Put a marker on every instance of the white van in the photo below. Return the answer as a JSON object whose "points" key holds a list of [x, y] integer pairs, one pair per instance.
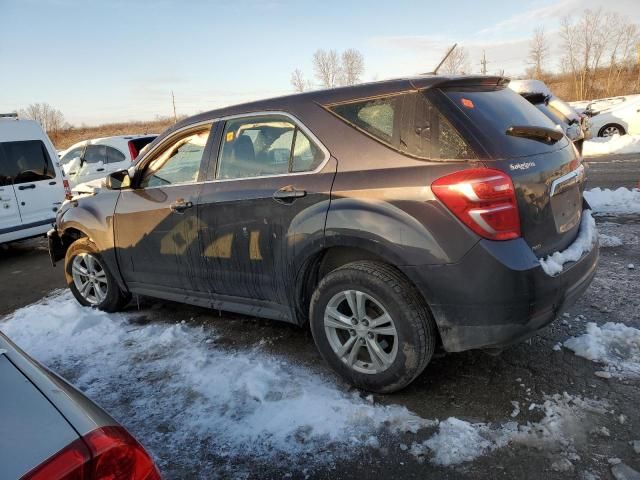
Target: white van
{"points": [[32, 185]]}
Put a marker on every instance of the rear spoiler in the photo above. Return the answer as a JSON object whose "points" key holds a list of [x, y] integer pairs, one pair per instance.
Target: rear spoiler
{"points": [[460, 82]]}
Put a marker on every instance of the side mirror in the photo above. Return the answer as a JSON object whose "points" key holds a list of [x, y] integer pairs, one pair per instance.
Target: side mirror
{"points": [[118, 180]]}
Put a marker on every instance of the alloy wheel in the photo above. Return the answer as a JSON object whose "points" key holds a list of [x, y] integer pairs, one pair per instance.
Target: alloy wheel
{"points": [[610, 131], [89, 278], [361, 332]]}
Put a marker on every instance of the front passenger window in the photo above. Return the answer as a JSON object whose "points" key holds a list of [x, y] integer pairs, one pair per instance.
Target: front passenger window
{"points": [[178, 163]]}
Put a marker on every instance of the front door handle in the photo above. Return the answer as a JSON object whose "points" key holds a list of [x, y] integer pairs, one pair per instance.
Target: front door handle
{"points": [[179, 206], [99, 169], [26, 187], [288, 194]]}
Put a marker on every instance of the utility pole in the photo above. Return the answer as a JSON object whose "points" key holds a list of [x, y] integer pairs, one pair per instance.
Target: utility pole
{"points": [[173, 100], [483, 62]]}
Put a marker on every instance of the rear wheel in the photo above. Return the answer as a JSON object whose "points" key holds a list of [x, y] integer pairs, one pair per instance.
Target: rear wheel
{"points": [[611, 129], [372, 326], [89, 278]]}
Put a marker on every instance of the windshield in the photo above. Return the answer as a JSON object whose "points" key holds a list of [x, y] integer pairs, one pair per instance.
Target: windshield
{"points": [[492, 112]]}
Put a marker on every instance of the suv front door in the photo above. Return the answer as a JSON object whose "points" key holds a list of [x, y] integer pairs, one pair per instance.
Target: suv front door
{"points": [[266, 198], [156, 227]]}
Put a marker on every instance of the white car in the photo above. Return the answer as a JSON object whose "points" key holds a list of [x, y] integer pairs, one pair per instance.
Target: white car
{"points": [[613, 116], [32, 185], [93, 159]]}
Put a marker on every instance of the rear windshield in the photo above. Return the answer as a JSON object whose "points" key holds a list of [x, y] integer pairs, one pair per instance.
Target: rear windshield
{"points": [[24, 162], [490, 112]]}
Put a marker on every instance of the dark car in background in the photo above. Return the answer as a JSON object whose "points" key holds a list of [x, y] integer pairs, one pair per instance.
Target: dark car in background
{"points": [[392, 216], [575, 125], [51, 431]]}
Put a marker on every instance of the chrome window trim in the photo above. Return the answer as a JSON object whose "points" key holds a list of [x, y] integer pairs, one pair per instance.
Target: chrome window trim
{"points": [[296, 121]]}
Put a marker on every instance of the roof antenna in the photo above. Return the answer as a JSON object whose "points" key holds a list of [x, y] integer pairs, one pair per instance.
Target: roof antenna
{"points": [[435, 71]]}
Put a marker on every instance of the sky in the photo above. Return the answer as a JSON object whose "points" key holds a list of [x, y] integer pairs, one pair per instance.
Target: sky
{"points": [[118, 60]]}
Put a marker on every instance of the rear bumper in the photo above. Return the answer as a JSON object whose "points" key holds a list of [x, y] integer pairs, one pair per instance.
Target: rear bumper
{"points": [[498, 294]]}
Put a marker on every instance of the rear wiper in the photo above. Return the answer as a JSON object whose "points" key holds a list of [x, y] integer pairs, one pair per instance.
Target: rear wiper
{"points": [[541, 134]]}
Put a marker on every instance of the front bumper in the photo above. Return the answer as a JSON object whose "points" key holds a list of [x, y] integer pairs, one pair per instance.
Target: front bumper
{"points": [[498, 294], [56, 247]]}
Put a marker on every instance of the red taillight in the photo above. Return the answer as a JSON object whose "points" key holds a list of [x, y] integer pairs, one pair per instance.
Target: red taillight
{"points": [[108, 453], [67, 189], [133, 151], [483, 199]]}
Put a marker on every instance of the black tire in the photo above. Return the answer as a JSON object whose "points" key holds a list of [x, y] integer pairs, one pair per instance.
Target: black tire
{"points": [[115, 298], [620, 128], [416, 330]]}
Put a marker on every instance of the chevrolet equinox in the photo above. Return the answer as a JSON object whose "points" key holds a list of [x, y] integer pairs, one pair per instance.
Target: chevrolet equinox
{"points": [[392, 217]]}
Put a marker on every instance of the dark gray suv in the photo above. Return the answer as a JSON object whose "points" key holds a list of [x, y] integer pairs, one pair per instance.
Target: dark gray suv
{"points": [[391, 216]]}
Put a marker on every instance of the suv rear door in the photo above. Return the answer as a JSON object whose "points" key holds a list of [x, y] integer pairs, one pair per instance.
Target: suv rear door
{"points": [[267, 197], [522, 142], [38, 188]]}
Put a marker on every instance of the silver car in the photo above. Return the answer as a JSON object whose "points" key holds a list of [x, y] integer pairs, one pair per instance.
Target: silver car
{"points": [[49, 430]]}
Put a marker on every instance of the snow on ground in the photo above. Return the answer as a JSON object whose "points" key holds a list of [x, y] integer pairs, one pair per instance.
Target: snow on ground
{"points": [[195, 403], [566, 422], [615, 202], [584, 242], [615, 345], [609, 240], [169, 386], [616, 144]]}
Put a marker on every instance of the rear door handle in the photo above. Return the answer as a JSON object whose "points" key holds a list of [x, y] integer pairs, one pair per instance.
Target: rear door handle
{"points": [[288, 194], [179, 206], [99, 169], [26, 187]]}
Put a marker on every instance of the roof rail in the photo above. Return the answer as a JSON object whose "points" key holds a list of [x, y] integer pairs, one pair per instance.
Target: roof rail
{"points": [[9, 115]]}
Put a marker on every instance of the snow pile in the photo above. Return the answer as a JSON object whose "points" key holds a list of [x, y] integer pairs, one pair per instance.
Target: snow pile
{"points": [[529, 86], [620, 201], [189, 399], [617, 144], [609, 240], [615, 345], [584, 242], [566, 422]]}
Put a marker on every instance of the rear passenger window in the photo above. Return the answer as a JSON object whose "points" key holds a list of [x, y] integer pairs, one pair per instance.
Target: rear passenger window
{"points": [[409, 123], [114, 155], [95, 154], [24, 162], [263, 146]]}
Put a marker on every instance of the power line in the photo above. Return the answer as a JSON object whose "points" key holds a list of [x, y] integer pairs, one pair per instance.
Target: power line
{"points": [[484, 62]]}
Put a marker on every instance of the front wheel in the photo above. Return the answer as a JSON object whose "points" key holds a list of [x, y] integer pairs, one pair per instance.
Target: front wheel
{"points": [[89, 278], [372, 327]]}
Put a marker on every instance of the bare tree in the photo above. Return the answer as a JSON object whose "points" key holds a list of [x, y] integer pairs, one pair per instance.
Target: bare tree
{"points": [[51, 119], [624, 37], [297, 80], [589, 42], [327, 67], [538, 52], [457, 62], [352, 66]]}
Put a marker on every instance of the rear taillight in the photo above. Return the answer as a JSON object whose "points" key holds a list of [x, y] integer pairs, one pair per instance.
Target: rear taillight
{"points": [[67, 189], [106, 453], [483, 199], [133, 151]]}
